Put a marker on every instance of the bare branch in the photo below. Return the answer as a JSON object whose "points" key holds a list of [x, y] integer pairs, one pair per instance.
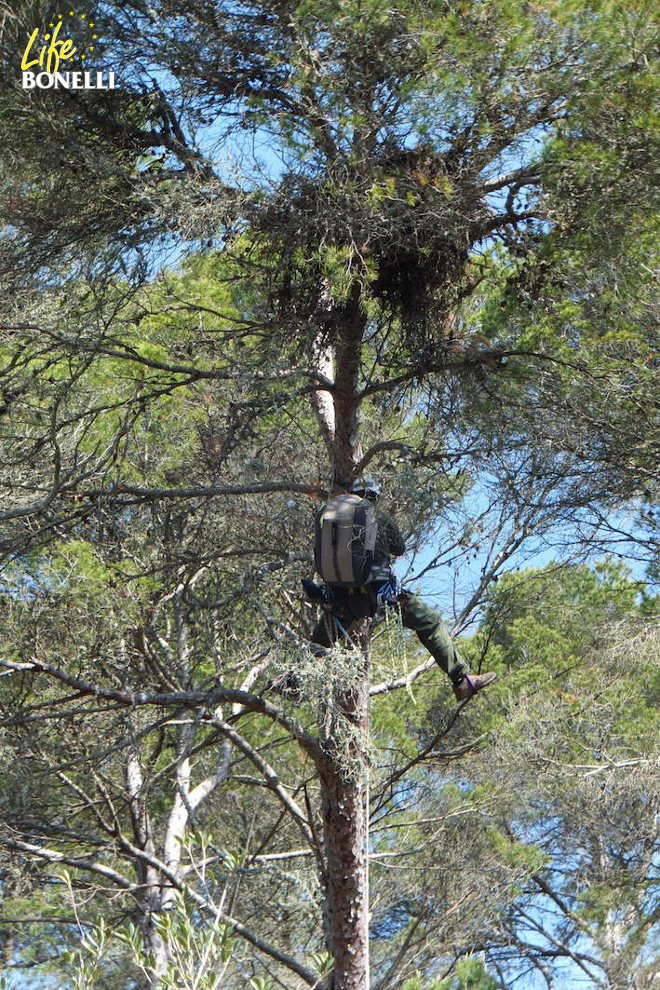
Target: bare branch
{"points": [[204, 700]]}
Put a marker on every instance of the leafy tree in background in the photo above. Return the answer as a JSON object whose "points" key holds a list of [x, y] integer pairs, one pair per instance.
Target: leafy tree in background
{"points": [[591, 801], [418, 241]]}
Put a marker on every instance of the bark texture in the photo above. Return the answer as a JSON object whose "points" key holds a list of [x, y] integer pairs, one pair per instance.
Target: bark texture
{"points": [[347, 449], [347, 909], [344, 777], [345, 805]]}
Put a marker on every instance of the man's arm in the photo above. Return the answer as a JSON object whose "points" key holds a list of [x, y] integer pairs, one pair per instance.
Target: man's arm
{"points": [[391, 535]]}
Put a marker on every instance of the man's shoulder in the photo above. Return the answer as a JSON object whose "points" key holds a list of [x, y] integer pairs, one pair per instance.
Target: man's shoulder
{"points": [[391, 532]]}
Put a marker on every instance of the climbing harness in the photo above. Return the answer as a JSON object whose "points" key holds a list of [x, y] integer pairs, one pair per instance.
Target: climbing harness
{"points": [[383, 596]]}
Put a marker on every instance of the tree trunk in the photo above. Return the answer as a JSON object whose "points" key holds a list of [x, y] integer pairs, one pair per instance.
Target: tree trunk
{"points": [[322, 361], [347, 450], [345, 804], [344, 778], [147, 895], [346, 906]]}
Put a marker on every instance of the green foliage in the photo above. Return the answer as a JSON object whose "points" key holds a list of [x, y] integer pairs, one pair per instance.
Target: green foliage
{"points": [[525, 856], [198, 954], [470, 974], [260, 983]]}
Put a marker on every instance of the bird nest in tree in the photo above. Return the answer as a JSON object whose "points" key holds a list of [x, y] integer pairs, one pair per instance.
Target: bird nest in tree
{"points": [[399, 224]]}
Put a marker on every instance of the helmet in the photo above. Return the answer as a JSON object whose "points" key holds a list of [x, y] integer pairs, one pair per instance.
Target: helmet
{"points": [[367, 488]]}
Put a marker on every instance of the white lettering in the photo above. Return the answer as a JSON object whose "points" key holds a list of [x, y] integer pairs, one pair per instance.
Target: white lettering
{"points": [[68, 80]]}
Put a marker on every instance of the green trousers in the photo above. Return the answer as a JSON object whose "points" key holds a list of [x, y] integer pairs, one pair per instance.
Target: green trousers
{"points": [[426, 622]]}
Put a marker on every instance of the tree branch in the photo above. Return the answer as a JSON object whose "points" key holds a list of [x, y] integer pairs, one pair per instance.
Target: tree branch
{"points": [[205, 700]]}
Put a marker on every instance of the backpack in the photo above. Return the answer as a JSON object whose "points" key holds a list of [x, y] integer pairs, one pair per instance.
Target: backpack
{"points": [[345, 540]]}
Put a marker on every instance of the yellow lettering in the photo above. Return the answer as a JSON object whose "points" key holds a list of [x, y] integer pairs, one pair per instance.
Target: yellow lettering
{"points": [[25, 64], [52, 49], [56, 50]]}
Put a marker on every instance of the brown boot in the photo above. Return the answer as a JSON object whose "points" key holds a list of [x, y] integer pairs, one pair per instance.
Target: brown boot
{"points": [[469, 684]]}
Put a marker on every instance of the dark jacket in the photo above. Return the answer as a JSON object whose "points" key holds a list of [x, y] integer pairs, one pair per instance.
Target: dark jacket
{"points": [[389, 541]]}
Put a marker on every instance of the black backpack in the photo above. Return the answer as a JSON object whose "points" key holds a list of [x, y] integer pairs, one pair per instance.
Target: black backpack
{"points": [[345, 540]]}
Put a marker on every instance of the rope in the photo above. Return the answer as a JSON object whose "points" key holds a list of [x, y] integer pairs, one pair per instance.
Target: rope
{"points": [[395, 638]]}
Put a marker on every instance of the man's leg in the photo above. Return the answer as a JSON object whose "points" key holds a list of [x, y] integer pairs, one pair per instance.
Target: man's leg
{"points": [[432, 633], [324, 632], [348, 606]]}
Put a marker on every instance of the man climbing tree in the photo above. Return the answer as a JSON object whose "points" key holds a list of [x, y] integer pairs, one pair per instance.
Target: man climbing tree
{"points": [[356, 566]]}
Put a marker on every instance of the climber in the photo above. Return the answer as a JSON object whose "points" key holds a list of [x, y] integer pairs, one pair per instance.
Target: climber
{"points": [[359, 581]]}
